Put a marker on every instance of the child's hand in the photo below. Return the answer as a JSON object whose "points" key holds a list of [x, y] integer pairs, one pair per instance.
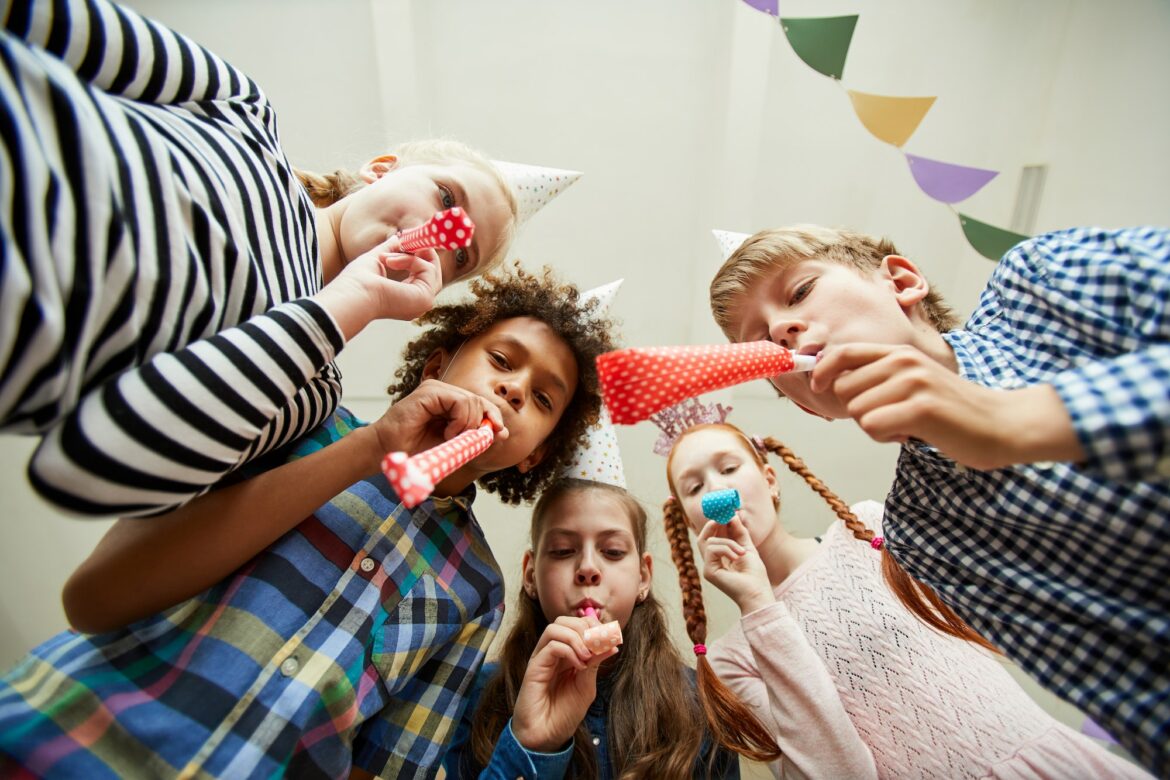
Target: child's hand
{"points": [[382, 284], [434, 412], [898, 392], [732, 564], [559, 685]]}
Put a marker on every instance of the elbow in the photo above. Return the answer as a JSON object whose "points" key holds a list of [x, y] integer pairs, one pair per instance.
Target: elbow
{"points": [[83, 605]]}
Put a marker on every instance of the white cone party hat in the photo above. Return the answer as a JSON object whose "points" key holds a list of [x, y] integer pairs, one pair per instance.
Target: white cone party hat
{"points": [[729, 242], [599, 460], [534, 185]]}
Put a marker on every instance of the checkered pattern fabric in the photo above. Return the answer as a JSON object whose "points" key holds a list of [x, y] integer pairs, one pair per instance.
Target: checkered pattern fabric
{"points": [[357, 635], [1065, 567]]}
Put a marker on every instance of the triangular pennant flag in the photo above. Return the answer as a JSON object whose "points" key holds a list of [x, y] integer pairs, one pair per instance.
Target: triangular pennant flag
{"points": [[770, 7], [534, 185], [988, 240], [948, 182], [729, 242], [890, 119], [821, 42]]}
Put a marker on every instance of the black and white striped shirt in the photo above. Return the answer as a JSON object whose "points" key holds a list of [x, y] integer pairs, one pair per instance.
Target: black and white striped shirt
{"points": [[156, 250]]}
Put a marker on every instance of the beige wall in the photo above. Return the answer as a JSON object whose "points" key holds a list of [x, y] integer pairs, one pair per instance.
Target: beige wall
{"points": [[685, 116]]}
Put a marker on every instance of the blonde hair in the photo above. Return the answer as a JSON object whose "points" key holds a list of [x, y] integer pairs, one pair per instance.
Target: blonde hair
{"points": [[325, 189], [917, 597], [777, 248]]}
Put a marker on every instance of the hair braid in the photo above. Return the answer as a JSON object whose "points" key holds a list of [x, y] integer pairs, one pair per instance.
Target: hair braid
{"points": [[916, 596], [325, 189], [731, 722]]}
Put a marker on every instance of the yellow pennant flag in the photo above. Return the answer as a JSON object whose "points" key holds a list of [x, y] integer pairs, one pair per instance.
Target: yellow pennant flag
{"points": [[890, 119]]}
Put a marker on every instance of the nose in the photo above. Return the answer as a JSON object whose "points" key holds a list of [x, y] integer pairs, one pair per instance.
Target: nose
{"points": [[785, 330], [587, 571], [512, 393]]}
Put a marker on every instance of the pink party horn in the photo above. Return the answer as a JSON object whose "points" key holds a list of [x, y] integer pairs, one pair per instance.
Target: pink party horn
{"points": [[640, 381], [450, 229], [603, 637], [414, 477]]}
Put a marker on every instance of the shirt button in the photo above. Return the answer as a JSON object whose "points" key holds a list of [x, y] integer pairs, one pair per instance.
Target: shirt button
{"points": [[289, 667], [596, 741], [368, 564]]}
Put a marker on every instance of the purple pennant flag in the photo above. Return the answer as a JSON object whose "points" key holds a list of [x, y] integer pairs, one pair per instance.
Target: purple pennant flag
{"points": [[947, 182], [770, 7]]}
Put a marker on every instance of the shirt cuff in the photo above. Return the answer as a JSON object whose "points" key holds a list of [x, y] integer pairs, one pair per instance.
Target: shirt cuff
{"points": [[520, 762]]}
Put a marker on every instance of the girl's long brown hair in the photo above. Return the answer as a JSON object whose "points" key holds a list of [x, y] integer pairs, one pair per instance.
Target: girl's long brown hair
{"points": [[655, 728], [917, 597]]}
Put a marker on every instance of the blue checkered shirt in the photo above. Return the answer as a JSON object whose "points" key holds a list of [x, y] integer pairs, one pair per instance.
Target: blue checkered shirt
{"points": [[1064, 567]]}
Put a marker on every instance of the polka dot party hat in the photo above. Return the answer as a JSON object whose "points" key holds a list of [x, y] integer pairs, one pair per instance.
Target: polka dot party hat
{"points": [[729, 242], [639, 381], [599, 459], [534, 185]]}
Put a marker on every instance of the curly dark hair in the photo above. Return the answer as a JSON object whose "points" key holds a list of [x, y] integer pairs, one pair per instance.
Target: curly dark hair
{"points": [[502, 295]]}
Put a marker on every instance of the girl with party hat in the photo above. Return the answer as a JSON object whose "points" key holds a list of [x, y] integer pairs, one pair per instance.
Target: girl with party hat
{"points": [[174, 300], [589, 683], [848, 680]]}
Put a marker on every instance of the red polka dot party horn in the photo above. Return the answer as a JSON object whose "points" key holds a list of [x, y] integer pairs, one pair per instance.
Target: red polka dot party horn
{"points": [[640, 381], [414, 477], [450, 229]]}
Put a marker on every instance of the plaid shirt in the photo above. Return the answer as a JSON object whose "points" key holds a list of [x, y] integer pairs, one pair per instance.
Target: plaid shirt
{"points": [[357, 635], [1065, 567]]}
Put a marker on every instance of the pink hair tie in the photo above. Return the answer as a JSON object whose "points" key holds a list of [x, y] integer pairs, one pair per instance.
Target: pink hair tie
{"points": [[758, 443], [877, 542], [700, 649]]}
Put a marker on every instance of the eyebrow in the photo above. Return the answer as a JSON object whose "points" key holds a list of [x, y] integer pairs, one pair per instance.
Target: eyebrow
{"points": [[516, 344], [461, 196], [602, 536]]}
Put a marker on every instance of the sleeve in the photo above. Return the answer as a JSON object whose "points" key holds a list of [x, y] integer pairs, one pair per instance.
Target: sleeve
{"points": [[511, 761], [122, 53], [768, 662], [410, 736], [164, 432], [1102, 296]]}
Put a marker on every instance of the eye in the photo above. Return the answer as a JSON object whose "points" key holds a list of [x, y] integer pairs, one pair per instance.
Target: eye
{"points": [[729, 469], [544, 401], [446, 197], [802, 291], [693, 489], [499, 360], [561, 552], [461, 257], [614, 554]]}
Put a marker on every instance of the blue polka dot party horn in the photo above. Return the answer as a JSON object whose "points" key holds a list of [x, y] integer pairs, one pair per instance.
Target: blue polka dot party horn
{"points": [[721, 505]]}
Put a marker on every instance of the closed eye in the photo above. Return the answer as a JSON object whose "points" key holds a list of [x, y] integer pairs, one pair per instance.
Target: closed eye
{"points": [[802, 291], [500, 360], [544, 401]]}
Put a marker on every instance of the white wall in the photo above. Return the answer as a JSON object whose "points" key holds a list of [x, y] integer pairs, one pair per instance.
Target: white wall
{"points": [[685, 116]]}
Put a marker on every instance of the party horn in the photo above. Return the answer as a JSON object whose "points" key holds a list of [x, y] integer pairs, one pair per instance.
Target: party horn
{"points": [[721, 505], [414, 477], [450, 229], [640, 381]]}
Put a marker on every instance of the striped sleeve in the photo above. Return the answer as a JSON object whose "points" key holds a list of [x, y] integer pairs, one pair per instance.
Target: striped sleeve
{"points": [[156, 436], [122, 53]]}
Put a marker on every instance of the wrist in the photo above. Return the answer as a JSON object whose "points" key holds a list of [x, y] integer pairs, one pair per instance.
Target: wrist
{"points": [[348, 305], [536, 743], [751, 602], [1040, 428]]}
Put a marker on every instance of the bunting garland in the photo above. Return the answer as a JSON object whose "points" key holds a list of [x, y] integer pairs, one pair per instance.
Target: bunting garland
{"points": [[823, 43]]}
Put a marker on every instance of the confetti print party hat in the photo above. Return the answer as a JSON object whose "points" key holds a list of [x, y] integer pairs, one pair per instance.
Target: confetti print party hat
{"points": [[729, 242], [599, 459], [534, 186]]}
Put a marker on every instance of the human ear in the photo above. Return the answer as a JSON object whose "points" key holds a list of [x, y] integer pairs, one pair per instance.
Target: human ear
{"points": [[534, 458], [646, 576], [528, 578], [437, 364], [910, 286], [378, 167]]}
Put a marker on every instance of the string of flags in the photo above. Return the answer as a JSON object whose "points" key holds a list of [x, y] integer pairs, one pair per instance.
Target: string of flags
{"points": [[822, 43]]}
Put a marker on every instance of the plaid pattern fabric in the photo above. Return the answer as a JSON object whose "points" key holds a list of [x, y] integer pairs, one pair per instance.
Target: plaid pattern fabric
{"points": [[357, 634], [1066, 568]]}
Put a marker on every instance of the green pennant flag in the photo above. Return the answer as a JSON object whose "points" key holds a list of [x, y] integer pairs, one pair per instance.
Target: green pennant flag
{"points": [[822, 42], [988, 240]]}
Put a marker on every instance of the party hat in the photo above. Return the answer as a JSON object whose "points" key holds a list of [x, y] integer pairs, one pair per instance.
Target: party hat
{"points": [[639, 381], [534, 185], [729, 242], [599, 459]]}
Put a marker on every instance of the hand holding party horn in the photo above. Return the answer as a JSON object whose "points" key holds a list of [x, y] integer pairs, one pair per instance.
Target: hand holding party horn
{"points": [[414, 477], [640, 381], [450, 229]]}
